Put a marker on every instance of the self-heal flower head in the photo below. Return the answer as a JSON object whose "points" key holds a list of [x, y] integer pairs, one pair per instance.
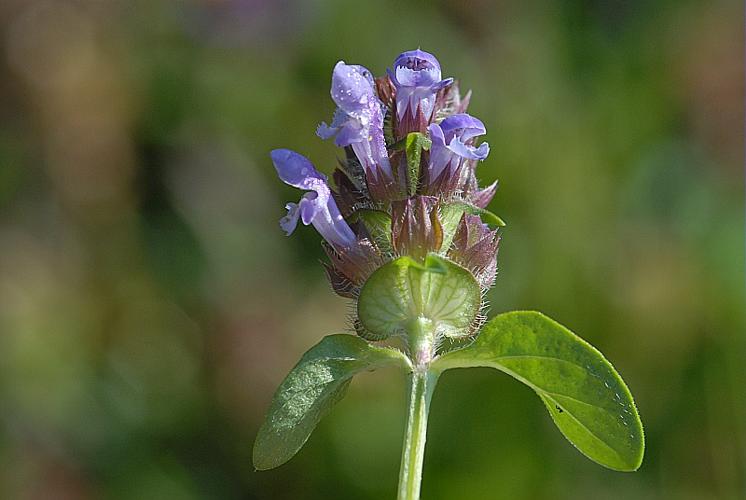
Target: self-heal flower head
{"points": [[398, 193], [453, 149], [316, 207], [417, 78], [358, 123]]}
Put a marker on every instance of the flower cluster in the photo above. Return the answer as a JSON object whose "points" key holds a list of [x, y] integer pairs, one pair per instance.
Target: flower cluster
{"points": [[407, 183]]}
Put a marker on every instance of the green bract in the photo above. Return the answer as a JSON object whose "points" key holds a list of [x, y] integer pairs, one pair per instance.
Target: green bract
{"points": [[404, 291], [461, 207], [585, 396], [452, 213], [415, 143], [378, 224]]}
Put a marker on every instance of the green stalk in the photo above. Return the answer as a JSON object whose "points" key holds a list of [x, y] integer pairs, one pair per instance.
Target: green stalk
{"points": [[421, 383], [421, 386]]}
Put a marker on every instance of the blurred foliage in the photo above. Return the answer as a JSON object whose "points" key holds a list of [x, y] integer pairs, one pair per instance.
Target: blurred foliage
{"points": [[149, 304]]}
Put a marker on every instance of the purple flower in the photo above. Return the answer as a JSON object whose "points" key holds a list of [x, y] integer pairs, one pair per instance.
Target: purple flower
{"points": [[453, 146], [416, 76], [358, 122], [316, 207]]}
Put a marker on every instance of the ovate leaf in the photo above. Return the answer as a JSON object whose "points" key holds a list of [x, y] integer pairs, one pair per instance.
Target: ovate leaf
{"points": [[318, 381], [585, 396]]}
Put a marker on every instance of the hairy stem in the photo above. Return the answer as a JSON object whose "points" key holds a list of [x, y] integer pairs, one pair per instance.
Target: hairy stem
{"points": [[421, 384]]}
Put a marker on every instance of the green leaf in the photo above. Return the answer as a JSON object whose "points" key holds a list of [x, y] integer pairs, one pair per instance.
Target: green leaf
{"points": [[311, 389], [585, 396], [450, 216], [415, 143], [404, 290], [488, 217]]}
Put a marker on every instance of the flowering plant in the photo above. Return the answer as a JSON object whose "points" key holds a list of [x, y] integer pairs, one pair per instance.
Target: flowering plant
{"points": [[411, 242]]}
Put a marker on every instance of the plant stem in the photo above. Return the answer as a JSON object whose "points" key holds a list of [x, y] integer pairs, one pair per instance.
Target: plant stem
{"points": [[421, 384]]}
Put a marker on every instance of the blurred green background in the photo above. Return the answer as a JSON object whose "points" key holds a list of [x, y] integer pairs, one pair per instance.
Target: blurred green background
{"points": [[150, 304]]}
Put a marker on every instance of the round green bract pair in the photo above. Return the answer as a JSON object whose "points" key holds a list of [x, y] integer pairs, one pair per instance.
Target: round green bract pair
{"points": [[404, 291]]}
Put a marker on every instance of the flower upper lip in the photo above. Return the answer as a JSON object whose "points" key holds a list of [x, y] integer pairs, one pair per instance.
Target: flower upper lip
{"points": [[352, 87], [457, 133], [464, 126], [417, 59]]}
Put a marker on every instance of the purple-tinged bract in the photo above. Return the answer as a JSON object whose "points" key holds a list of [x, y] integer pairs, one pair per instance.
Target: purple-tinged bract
{"points": [[415, 227], [475, 247]]}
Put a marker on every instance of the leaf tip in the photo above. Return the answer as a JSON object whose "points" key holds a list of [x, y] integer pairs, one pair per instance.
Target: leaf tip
{"points": [[259, 459]]}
